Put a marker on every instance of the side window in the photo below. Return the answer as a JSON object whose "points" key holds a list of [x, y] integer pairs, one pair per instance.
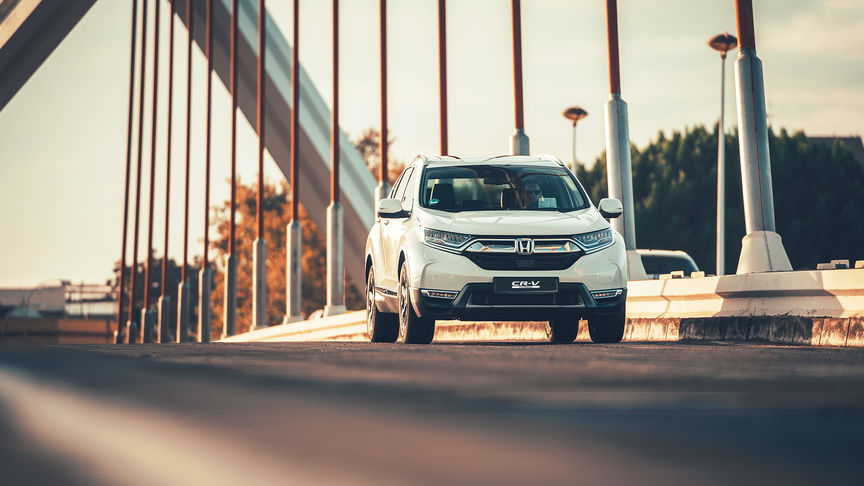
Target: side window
{"points": [[397, 184], [406, 192]]}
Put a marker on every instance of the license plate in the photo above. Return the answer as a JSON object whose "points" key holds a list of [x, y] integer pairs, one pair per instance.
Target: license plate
{"points": [[509, 285]]}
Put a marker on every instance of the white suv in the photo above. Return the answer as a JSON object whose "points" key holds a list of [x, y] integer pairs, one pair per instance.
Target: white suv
{"points": [[493, 238]]}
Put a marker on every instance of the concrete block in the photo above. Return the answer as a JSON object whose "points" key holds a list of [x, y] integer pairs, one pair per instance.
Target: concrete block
{"points": [[789, 329], [665, 276], [816, 331], [834, 331], [628, 329], [841, 263], [657, 329], [673, 326], [640, 329], [762, 251], [583, 335], [760, 328], [859, 264], [699, 274], [690, 330], [825, 266], [856, 332], [734, 328], [677, 274], [711, 329]]}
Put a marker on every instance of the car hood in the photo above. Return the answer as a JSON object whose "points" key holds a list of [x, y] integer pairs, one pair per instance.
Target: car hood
{"points": [[522, 222]]}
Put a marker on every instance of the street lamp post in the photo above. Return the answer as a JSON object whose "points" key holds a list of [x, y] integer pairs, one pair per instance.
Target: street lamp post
{"points": [[723, 43], [574, 114]]}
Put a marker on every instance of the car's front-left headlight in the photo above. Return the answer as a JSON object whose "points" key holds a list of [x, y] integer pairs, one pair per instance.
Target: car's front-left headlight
{"points": [[595, 240], [444, 240]]}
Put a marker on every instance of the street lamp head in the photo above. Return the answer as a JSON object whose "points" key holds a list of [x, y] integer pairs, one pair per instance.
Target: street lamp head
{"points": [[723, 42], [575, 113]]}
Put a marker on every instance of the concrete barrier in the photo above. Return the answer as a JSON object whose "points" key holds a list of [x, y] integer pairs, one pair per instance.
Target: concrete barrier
{"points": [[828, 293], [820, 308], [56, 330]]}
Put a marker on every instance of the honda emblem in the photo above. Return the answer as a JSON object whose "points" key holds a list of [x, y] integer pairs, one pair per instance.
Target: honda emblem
{"points": [[524, 246]]}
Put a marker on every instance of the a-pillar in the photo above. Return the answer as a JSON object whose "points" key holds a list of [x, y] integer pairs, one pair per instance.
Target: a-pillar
{"points": [[335, 285], [229, 314], [259, 285], [183, 308], [293, 267], [761, 248], [204, 286]]}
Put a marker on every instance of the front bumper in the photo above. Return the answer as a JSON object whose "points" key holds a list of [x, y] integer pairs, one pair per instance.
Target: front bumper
{"points": [[431, 268], [479, 302]]}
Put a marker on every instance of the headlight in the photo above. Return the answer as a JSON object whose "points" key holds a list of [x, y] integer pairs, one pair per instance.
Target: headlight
{"points": [[444, 239], [595, 240]]}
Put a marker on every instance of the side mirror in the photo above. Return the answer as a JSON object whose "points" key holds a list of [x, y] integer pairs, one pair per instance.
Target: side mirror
{"points": [[610, 208], [391, 208]]}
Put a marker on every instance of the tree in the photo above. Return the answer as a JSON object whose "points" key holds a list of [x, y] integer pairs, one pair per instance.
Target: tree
{"points": [[368, 146], [675, 194], [173, 279], [277, 215]]}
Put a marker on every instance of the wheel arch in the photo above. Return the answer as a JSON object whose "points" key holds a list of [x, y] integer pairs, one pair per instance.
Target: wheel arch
{"points": [[400, 261]]}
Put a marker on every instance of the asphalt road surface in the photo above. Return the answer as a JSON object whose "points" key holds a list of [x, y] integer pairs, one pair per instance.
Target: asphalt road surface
{"points": [[474, 413]]}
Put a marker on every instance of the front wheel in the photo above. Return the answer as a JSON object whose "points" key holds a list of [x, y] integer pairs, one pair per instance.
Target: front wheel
{"points": [[562, 330], [380, 327], [412, 328], [608, 329]]}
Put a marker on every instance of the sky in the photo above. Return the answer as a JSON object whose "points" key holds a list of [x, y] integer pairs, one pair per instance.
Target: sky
{"points": [[63, 136]]}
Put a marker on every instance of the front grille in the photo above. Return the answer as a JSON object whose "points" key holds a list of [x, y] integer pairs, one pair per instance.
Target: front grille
{"points": [[563, 297], [523, 262]]}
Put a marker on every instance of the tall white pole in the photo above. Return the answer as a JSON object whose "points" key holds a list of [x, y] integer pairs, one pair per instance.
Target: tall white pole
{"points": [[721, 175], [761, 248], [618, 170]]}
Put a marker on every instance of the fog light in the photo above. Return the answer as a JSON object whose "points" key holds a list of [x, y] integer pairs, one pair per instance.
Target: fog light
{"points": [[605, 294], [439, 294]]}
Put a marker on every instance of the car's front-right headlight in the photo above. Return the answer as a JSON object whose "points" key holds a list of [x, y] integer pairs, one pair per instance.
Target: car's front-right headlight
{"points": [[595, 240], [445, 240]]}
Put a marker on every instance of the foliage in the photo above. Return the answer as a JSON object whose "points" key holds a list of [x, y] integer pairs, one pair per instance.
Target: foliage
{"points": [[368, 146], [277, 216], [816, 192], [173, 279]]}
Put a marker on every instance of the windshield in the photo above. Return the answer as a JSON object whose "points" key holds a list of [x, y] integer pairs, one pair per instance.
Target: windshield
{"points": [[501, 187]]}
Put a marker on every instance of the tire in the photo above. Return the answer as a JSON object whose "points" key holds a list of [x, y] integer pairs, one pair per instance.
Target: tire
{"points": [[380, 327], [608, 329], [413, 329], [562, 330]]}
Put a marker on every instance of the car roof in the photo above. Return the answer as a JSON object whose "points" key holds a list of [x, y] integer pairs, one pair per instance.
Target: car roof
{"points": [[543, 159]]}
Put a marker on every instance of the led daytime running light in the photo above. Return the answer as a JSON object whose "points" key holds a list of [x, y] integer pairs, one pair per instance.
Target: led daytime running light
{"points": [[595, 240], [444, 238]]}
